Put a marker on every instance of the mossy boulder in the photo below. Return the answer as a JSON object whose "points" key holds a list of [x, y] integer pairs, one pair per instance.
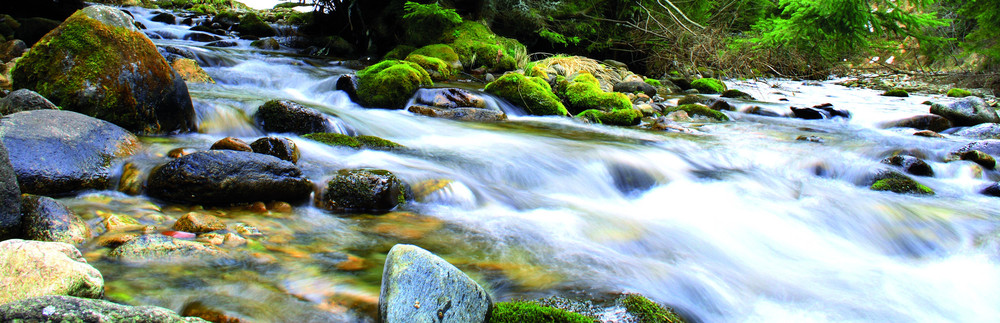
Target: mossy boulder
{"points": [[376, 143], [437, 68], [220, 177], [46, 219], [342, 140], [442, 52], [698, 109], [36, 268], [958, 93], [708, 85], [477, 46], [389, 84], [99, 64], [75, 309], [533, 94], [648, 311], [618, 117], [531, 312], [736, 94], [190, 71], [899, 183], [252, 25], [584, 93], [899, 93], [978, 157], [266, 43], [363, 190], [910, 164]]}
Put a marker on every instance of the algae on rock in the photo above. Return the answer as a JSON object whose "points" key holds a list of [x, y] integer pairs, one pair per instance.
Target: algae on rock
{"points": [[390, 83], [531, 93]]}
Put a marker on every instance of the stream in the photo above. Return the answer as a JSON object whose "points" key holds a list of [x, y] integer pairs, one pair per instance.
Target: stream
{"points": [[741, 222]]}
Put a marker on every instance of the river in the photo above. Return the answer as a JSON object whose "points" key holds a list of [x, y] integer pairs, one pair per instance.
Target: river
{"points": [[742, 223]]}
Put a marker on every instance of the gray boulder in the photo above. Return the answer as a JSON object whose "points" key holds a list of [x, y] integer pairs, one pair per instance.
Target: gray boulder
{"points": [[989, 146], [158, 247], [46, 219], [10, 197], [45, 268], [75, 309], [930, 122], [461, 114], [24, 100], [60, 152], [981, 131], [418, 286], [220, 177], [363, 190], [969, 111], [635, 86]]}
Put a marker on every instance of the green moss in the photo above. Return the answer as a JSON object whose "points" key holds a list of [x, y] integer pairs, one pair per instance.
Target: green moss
{"points": [[399, 52], [653, 82], [708, 85], [534, 70], [390, 83], [334, 139], [424, 23], [648, 311], [959, 93], [698, 109], [251, 24], [901, 185], [438, 69], [442, 52], [619, 117], [376, 143], [896, 93], [477, 46], [528, 312], [585, 93], [524, 92]]}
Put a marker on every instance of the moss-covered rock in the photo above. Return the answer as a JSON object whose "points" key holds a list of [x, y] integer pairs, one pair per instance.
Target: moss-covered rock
{"points": [[334, 139], [584, 93], [698, 109], [899, 93], [958, 93], [35, 268], [108, 71], [363, 190], [437, 68], [399, 52], [618, 117], [477, 46], [376, 143], [442, 52], [251, 24], [648, 311], [901, 185], [389, 84], [533, 94], [736, 94], [190, 71], [708, 85], [530, 312], [266, 43]]}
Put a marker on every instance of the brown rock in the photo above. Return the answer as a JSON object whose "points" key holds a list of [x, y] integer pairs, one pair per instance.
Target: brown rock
{"points": [[190, 71], [231, 143], [282, 148], [198, 222]]}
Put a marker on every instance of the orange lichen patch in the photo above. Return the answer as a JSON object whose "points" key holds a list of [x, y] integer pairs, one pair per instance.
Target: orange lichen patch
{"points": [[190, 71]]}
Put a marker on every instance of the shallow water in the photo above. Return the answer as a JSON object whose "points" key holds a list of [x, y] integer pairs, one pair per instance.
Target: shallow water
{"points": [[742, 223]]}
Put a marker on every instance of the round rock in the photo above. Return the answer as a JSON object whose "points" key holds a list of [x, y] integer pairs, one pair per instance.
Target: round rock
{"points": [[46, 219], [24, 100], [363, 190], [282, 148], [968, 111], [290, 117], [227, 177], [418, 286], [36, 268]]}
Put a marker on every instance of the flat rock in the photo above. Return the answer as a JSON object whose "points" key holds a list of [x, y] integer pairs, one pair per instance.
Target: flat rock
{"points": [[449, 98], [930, 122], [461, 114], [968, 111], [36, 268], [981, 131], [75, 309], [158, 247], [218, 177], [418, 286]]}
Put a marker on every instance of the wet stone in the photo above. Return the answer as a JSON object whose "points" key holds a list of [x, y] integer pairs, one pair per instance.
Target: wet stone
{"points": [[910, 164], [231, 143], [282, 148], [198, 222]]}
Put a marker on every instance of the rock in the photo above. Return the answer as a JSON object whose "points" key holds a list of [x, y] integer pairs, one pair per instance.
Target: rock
{"points": [[695, 99], [205, 37], [708, 85], [158, 247], [60, 152], [75, 309], [45, 219], [164, 17], [900, 93], [461, 114], [989, 146], [981, 131], [645, 310], [349, 84], [190, 71], [252, 25], [12, 49], [822, 111], [98, 63], [814, 139], [477, 46], [980, 158], [440, 51], [363, 190], [438, 69], [958, 93], [289, 117], [521, 311], [390, 84], [618, 117], [10, 198], [910, 164], [35, 268], [231, 143], [222, 44], [585, 93], [991, 190], [760, 111], [737, 94], [898, 183], [418, 286], [533, 94], [282, 148], [966, 112], [928, 134], [24, 100], [449, 98], [195, 222], [225, 177], [632, 87], [931, 122], [698, 109], [629, 179], [266, 43]]}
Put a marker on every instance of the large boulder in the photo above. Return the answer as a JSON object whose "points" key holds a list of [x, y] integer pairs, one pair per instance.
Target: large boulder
{"points": [[585, 93], [531, 93], [10, 197], [930, 122], [24, 100], [60, 152], [390, 84], [158, 247], [220, 177], [75, 309], [969, 111], [35, 268], [12, 49], [46, 219], [418, 286], [461, 114], [981, 131], [291, 117], [98, 63], [363, 190]]}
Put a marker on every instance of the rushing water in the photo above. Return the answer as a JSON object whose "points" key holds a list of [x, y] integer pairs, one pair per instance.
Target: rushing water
{"points": [[744, 223]]}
